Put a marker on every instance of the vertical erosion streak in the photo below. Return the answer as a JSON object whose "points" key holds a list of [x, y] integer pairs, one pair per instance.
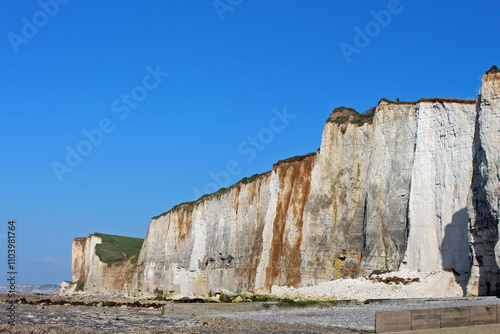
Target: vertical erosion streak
{"points": [[78, 259], [285, 258], [410, 198], [407, 234], [385, 242], [388, 187], [185, 222], [264, 235], [248, 274]]}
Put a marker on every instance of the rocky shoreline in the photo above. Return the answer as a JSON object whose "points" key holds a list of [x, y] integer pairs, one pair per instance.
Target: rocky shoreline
{"points": [[92, 314], [83, 300], [98, 314]]}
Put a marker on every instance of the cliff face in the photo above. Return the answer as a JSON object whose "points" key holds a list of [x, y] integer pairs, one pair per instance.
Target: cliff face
{"points": [[391, 194], [248, 238], [484, 197], [419, 177], [332, 239], [96, 276], [440, 181], [381, 194], [388, 186]]}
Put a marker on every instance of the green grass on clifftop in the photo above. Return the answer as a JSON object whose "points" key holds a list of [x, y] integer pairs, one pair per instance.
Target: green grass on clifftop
{"points": [[295, 158], [353, 116], [432, 100], [217, 194], [115, 248], [222, 191]]}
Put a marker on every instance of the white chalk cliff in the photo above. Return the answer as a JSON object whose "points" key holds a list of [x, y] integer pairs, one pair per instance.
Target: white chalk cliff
{"points": [[415, 188]]}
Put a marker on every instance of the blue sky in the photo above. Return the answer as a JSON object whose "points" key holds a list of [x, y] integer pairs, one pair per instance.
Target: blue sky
{"points": [[176, 94]]}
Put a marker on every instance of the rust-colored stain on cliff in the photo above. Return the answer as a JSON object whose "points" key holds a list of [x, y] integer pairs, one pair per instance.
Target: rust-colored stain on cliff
{"points": [[78, 262], [122, 274], [184, 222], [249, 271], [284, 257], [114, 278], [236, 201]]}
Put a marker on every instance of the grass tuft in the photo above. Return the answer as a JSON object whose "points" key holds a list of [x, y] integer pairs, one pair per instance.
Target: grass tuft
{"points": [[354, 117], [190, 205], [296, 158]]}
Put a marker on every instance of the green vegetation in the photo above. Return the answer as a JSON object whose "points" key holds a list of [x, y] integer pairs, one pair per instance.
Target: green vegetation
{"points": [[160, 294], [371, 111], [295, 158], [134, 258], [432, 99], [224, 298], [80, 285], [447, 100], [493, 68], [265, 298], [342, 109], [397, 280], [354, 117], [117, 249], [222, 191], [396, 102], [301, 303], [190, 205], [351, 116], [281, 302], [185, 205]]}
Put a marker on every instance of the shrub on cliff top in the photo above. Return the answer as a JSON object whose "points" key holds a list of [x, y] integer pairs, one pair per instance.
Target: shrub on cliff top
{"points": [[354, 117], [397, 102], [341, 109], [493, 68], [115, 248], [370, 112]]}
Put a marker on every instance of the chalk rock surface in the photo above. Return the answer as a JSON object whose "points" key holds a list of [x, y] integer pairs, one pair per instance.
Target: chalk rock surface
{"points": [[484, 196]]}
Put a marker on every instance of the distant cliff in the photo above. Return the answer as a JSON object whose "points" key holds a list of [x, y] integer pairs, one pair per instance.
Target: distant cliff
{"points": [[415, 185]]}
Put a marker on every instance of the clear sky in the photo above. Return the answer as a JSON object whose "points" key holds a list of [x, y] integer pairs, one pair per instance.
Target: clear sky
{"points": [[111, 112]]}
